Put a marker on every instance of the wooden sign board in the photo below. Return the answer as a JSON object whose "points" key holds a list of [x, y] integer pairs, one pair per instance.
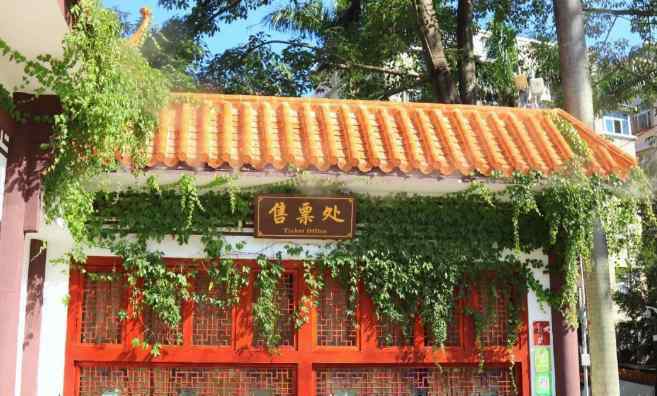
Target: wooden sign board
{"points": [[305, 217]]}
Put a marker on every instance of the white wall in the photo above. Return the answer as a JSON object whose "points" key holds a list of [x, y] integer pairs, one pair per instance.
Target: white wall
{"points": [[21, 317], [54, 314], [538, 311]]}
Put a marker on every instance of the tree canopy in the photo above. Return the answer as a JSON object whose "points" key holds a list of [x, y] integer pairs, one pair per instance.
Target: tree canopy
{"points": [[376, 49]]}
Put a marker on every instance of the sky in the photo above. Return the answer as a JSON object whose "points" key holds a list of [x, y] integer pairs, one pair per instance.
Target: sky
{"points": [[229, 36], [238, 32]]}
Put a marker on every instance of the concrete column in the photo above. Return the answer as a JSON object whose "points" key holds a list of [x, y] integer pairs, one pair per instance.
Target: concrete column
{"points": [[566, 351]]}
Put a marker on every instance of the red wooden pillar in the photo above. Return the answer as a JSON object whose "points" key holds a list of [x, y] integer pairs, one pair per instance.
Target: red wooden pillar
{"points": [[566, 346], [11, 256], [20, 214], [305, 340]]}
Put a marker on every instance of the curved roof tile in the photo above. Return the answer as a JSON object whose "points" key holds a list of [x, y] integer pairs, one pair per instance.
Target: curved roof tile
{"points": [[212, 130]]}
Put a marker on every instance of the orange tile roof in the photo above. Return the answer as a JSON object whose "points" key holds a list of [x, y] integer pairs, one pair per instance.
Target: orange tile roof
{"points": [[310, 133]]}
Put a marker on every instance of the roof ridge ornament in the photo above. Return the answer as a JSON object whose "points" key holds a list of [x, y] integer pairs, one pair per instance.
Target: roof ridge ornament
{"points": [[137, 38]]}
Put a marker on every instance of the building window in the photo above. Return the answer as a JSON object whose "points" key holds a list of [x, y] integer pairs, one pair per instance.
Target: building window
{"points": [[617, 125]]}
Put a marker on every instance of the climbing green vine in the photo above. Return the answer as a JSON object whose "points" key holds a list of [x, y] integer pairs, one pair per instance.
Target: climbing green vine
{"points": [[109, 97], [413, 255]]}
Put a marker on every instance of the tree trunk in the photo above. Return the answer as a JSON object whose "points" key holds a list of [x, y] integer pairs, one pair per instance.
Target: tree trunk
{"points": [[579, 102], [432, 43], [573, 59], [602, 318], [466, 60]]}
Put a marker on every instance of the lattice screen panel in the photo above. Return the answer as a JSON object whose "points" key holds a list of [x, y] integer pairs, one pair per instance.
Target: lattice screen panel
{"points": [[211, 325], [389, 333], [496, 333], [285, 301], [102, 301], [158, 331], [396, 381], [187, 381], [336, 327], [100, 381]]}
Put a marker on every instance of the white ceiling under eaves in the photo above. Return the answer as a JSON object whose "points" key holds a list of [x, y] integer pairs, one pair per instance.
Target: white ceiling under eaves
{"points": [[33, 27]]}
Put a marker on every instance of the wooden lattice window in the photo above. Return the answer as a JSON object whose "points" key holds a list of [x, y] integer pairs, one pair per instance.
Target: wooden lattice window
{"points": [[495, 334], [418, 381], [336, 326], [390, 334], [212, 325], [157, 331], [285, 297], [217, 351], [186, 381], [103, 301]]}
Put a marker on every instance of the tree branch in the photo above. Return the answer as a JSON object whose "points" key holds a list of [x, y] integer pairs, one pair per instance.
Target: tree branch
{"points": [[286, 42], [230, 6], [438, 68], [378, 69], [344, 63], [622, 12], [210, 19], [393, 91]]}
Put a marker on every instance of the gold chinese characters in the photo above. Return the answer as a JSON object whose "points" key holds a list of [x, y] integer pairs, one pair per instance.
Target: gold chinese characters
{"points": [[279, 214], [332, 213]]}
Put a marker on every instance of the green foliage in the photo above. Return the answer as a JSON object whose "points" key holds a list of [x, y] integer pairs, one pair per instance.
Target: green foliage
{"points": [[498, 75], [110, 97], [343, 39], [621, 60], [176, 51], [206, 17], [413, 255], [257, 69], [638, 290], [265, 310]]}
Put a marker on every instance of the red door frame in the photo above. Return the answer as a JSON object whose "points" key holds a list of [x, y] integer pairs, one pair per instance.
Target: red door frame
{"points": [[304, 355]]}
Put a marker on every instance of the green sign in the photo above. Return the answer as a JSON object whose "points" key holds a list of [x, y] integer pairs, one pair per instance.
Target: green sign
{"points": [[542, 371]]}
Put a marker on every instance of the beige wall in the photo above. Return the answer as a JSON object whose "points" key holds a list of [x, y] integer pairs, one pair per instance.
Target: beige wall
{"points": [[32, 27]]}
